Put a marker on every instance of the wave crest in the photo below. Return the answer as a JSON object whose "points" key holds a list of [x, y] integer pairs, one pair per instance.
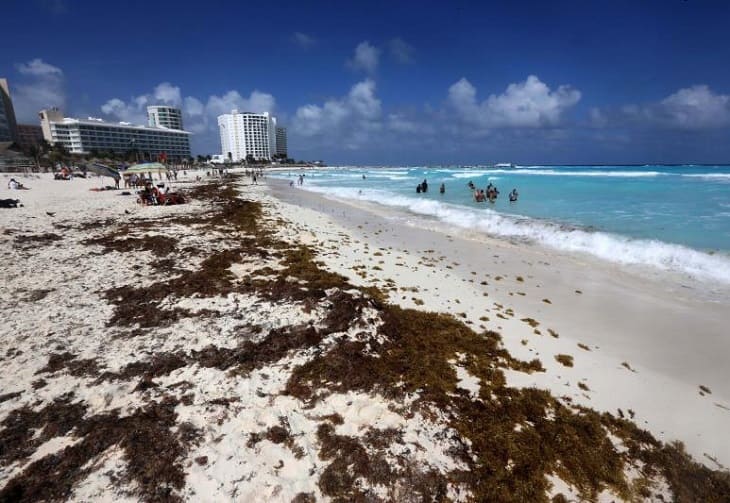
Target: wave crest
{"points": [[604, 245]]}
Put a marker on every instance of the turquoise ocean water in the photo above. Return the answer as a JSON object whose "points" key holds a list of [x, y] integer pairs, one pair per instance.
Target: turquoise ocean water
{"points": [[668, 217]]}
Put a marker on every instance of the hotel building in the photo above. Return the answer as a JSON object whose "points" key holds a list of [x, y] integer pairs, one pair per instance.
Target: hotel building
{"points": [[81, 136], [164, 116], [281, 149], [244, 134], [7, 114]]}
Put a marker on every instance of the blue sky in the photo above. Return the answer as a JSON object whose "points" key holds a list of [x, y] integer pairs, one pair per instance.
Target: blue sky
{"points": [[381, 82]]}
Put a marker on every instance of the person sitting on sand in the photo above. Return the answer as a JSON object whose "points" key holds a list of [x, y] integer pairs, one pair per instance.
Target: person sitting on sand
{"points": [[15, 185]]}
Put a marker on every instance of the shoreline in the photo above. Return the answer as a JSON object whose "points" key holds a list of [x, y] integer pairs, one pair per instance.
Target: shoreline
{"points": [[647, 244], [651, 324], [214, 348]]}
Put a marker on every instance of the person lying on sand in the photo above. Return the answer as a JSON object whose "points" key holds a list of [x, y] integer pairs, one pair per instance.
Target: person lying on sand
{"points": [[10, 203]]}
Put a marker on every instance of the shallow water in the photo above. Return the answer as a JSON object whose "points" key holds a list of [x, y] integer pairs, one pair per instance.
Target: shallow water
{"points": [[671, 217]]}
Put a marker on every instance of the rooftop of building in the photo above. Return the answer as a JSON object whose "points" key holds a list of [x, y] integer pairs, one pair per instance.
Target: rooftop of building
{"points": [[95, 121]]}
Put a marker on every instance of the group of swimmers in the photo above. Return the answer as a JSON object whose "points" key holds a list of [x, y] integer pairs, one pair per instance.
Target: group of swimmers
{"points": [[490, 193], [480, 195], [423, 187]]}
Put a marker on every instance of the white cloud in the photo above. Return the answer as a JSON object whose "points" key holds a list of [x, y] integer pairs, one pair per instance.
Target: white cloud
{"points": [[193, 106], [303, 40], [401, 123], [348, 121], [133, 111], [691, 108], [197, 115], [168, 94], [363, 100], [200, 116], [528, 104], [42, 87], [366, 58], [38, 68], [696, 107], [256, 102], [401, 51]]}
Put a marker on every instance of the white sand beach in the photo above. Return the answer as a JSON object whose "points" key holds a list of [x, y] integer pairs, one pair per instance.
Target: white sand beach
{"points": [[163, 353], [673, 338]]}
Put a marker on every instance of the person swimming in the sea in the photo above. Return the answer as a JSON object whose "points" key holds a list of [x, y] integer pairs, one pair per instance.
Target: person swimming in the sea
{"points": [[442, 189], [513, 196]]}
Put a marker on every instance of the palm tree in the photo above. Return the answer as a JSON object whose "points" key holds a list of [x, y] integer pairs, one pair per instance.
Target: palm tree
{"points": [[34, 152], [59, 153]]}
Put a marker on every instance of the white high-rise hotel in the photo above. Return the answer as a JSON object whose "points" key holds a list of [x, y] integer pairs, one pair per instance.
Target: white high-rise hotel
{"points": [[244, 134]]}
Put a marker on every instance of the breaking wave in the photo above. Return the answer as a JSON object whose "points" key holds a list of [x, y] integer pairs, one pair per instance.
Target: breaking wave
{"points": [[604, 245]]}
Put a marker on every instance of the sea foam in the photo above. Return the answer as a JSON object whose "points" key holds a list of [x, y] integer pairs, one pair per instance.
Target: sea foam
{"points": [[604, 245], [552, 172]]}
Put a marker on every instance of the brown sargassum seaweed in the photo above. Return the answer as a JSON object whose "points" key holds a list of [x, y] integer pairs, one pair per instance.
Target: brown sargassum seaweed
{"points": [[508, 440]]}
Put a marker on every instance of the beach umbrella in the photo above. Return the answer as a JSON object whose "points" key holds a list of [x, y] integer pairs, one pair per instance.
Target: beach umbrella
{"points": [[103, 170], [146, 167]]}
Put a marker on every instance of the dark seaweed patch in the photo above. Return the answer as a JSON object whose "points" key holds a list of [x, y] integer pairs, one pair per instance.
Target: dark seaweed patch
{"points": [[152, 449]]}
